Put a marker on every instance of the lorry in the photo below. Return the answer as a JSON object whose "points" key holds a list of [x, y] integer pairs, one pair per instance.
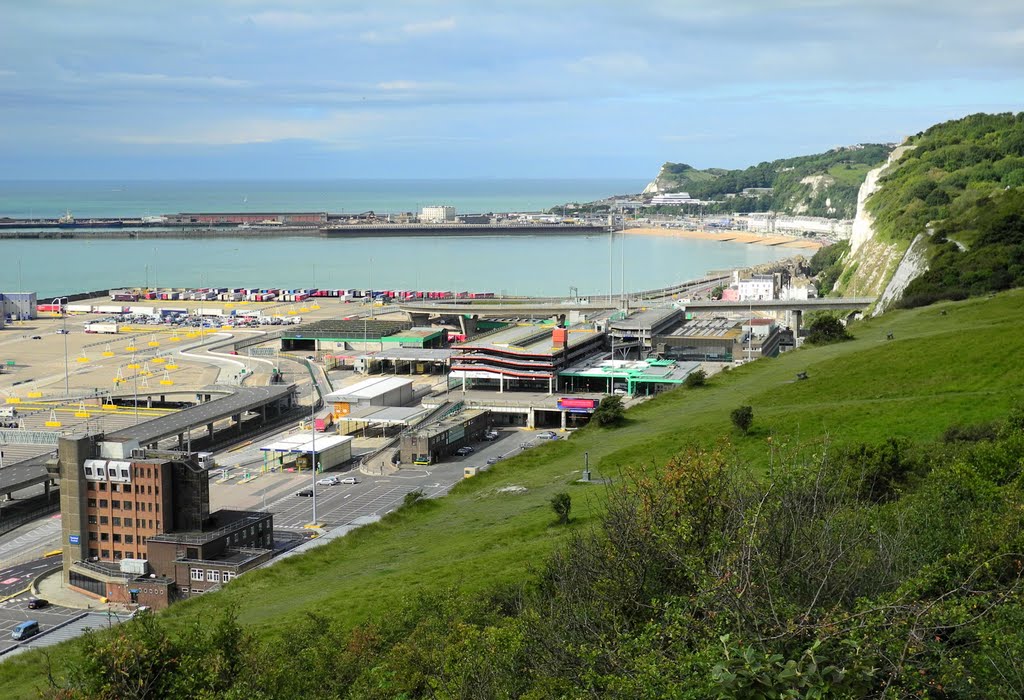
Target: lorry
{"points": [[323, 422], [102, 328]]}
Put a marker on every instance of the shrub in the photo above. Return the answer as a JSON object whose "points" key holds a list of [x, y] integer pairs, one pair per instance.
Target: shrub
{"points": [[609, 412], [743, 418], [561, 503], [696, 379]]}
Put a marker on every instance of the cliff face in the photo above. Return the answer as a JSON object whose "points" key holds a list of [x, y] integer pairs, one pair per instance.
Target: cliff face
{"points": [[877, 267]]}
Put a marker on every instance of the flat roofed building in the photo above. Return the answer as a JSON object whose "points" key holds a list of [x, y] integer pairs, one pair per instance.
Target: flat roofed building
{"points": [[437, 214], [376, 391], [702, 340], [524, 357], [434, 442]]}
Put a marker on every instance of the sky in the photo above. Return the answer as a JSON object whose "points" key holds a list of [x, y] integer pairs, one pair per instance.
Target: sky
{"points": [[311, 89]]}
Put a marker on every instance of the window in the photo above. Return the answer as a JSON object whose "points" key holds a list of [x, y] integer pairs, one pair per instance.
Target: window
{"points": [[100, 472], [105, 553], [128, 539], [92, 519], [114, 488], [115, 504], [93, 553], [149, 507], [157, 507], [117, 538], [149, 490], [148, 473], [103, 503], [92, 536], [213, 575], [103, 486], [197, 575], [104, 537], [124, 473], [117, 521], [92, 502], [127, 522], [88, 471], [117, 554], [127, 505], [157, 524], [228, 576], [103, 520], [156, 490], [91, 486], [150, 524]]}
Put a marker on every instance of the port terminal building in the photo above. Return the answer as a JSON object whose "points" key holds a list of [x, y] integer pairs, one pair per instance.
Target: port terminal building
{"points": [[524, 357]]}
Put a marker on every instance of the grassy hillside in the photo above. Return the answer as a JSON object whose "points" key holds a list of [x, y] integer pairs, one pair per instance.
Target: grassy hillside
{"points": [[824, 184], [937, 370]]}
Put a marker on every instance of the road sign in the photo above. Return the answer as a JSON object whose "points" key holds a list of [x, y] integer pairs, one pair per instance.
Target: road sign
{"points": [[73, 539]]}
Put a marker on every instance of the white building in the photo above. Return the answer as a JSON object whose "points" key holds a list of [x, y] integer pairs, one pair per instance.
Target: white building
{"points": [[756, 287], [673, 199], [437, 214]]}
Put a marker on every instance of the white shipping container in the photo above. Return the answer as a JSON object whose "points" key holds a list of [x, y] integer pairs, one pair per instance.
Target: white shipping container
{"points": [[139, 567], [101, 328], [211, 312], [79, 308], [109, 309], [143, 310]]}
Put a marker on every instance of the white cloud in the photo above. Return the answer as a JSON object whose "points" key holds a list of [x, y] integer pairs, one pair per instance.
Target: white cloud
{"points": [[410, 85], [429, 27], [336, 129], [164, 80], [617, 65], [409, 29]]}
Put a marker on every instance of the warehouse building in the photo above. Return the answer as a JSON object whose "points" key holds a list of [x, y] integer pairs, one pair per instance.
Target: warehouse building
{"points": [[376, 391]]}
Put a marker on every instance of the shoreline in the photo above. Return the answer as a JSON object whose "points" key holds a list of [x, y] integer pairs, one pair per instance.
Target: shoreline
{"points": [[744, 237]]}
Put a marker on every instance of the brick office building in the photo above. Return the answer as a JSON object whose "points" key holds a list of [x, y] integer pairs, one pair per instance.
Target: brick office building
{"points": [[129, 524]]}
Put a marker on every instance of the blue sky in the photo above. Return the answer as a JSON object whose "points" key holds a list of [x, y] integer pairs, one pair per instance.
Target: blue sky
{"points": [[559, 88]]}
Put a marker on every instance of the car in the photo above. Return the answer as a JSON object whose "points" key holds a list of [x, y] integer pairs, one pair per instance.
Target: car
{"points": [[490, 436], [329, 481], [61, 331], [492, 460], [547, 435], [37, 337], [37, 603], [305, 492], [464, 450], [348, 480]]}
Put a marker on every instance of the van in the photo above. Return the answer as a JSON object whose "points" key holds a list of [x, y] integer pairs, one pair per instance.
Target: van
{"points": [[26, 629]]}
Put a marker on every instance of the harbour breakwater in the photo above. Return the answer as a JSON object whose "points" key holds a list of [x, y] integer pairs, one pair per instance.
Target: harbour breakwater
{"points": [[348, 231]]}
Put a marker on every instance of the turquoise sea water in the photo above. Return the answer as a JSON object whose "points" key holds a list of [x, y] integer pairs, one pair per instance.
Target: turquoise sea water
{"points": [[153, 197], [540, 265]]}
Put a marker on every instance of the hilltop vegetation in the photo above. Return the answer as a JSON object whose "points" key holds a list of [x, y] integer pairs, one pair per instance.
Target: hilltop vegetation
{"points": [[824, 184], [848, 542], [963, 182]]}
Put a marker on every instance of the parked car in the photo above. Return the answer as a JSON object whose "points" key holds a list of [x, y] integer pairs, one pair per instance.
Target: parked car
{"points": [[492, 460], [329, 481], [305, 492], [490, 436], [548, 435], [464, 450], [37, 603], [349, 480]]}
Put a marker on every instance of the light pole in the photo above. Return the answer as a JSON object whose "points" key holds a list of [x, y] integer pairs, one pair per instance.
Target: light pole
{"points": [[64, 331]]}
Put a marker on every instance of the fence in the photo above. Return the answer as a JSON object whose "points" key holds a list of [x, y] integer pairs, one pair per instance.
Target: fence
{"points": [[18, 436]]}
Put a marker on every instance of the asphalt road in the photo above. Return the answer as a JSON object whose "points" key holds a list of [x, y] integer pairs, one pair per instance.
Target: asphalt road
{"points": [[15, 579]]}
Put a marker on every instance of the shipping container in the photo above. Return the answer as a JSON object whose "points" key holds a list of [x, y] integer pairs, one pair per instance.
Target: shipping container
{"points": [[78, 308], [110, 309]]}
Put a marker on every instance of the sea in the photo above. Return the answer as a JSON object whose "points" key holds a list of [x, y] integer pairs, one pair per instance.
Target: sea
{"points": [[543, 265]]}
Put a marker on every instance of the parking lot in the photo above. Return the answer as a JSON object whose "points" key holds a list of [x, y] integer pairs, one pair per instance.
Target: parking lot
{"points": [[15, 611]]}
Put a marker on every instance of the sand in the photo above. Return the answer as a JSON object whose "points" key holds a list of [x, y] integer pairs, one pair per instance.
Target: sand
{"points": [[732, 237]]}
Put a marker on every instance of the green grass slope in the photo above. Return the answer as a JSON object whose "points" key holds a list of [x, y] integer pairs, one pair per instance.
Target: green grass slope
{"points": [[937, 370]]}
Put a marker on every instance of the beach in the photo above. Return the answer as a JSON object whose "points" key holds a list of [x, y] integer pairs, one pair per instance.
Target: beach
{"points": [[774, 241]]}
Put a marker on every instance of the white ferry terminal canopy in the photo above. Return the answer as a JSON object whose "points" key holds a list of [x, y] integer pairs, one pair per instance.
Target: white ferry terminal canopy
{"points": [[241, 399]]}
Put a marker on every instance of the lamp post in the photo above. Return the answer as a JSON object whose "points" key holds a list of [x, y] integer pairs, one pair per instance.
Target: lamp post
{"points": [[64, 331]]}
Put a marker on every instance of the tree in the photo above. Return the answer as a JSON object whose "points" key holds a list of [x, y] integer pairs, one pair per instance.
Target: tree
{"points": [[696, 379], [827, 329], [561, 503], [609, 412], [743, 418]]}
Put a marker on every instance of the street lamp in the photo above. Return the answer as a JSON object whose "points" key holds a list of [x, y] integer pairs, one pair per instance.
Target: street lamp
{"points": [[64, 331]]}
